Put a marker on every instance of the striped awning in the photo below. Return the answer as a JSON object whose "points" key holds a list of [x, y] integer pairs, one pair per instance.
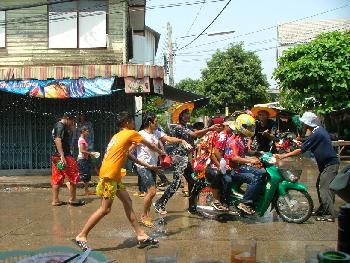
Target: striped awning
{"points": [[80, 71]]}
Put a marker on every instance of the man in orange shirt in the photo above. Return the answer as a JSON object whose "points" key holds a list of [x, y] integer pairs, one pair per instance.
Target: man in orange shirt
{"points": [[110, 184]]}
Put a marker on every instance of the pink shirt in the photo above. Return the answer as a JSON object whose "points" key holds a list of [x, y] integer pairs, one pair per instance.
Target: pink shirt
{"points": [[84, 145]]}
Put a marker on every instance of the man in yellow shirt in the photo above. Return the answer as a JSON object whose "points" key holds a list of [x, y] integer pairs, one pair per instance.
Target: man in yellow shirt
{"points": [[110, 184]]}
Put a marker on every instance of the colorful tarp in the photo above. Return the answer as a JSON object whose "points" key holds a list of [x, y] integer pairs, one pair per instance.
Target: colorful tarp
{"points": [[60, 89]]}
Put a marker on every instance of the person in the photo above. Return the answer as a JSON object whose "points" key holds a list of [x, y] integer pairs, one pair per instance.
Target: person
{"points": [[110, 182], [83, 159], [61, 135], [146, 161], [180, 156], [244, 169], [219, 149], [264, 130], [206, 164], [320, 145]]}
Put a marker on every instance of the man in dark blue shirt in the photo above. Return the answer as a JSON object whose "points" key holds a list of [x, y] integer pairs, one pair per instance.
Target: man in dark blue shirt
{"points": [[320, 144]]}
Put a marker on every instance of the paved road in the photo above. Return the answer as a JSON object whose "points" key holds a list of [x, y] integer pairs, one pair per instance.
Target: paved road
{"points": [[28, 221]]}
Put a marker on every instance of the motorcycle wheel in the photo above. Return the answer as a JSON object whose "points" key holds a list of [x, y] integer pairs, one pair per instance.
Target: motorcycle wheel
{"points": [[295, 207]]}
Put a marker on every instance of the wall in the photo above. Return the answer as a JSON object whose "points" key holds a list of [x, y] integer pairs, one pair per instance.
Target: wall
{"points": [[27, 38]]}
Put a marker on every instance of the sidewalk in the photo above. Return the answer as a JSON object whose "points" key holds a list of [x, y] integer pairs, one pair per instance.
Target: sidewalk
{"points": [[43, 181]]}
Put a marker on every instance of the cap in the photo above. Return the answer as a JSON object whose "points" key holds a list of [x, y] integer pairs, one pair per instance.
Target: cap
{"points": [[218, 120]]}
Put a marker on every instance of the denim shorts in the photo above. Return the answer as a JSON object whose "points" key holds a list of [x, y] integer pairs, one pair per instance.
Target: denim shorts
{"points": [[84, 170], [148, 177]]}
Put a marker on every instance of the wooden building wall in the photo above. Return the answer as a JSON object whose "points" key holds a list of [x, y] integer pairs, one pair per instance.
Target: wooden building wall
{"points": [[27, 38]]}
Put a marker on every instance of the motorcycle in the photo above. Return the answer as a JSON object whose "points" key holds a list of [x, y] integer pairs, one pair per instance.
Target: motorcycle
{"points": [[282, 191]]}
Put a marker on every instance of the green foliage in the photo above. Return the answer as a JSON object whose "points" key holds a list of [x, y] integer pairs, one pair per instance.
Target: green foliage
{"points": [[234, 78], [319, 69], [191, 85], [150, 105]]}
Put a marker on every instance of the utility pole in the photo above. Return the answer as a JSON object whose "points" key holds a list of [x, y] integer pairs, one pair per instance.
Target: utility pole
{"points": [[170, 55]]}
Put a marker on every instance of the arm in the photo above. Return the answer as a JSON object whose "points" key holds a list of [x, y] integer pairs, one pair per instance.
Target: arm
{"points": [[58, 143], [200, 133], [173, 140], [282, 156], [134, 159], [153, 147]]}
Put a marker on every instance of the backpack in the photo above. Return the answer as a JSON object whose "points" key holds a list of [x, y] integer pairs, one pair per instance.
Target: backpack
{"points": [[341, 184]]}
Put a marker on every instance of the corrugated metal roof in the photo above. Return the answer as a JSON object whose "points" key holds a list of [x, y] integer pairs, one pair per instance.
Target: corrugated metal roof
{"points": [[305, 31]]}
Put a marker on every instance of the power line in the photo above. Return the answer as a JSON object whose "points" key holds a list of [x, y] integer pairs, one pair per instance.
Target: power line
{"points": [[182, 4], [207, 26], [195, 19], [272, 27]]}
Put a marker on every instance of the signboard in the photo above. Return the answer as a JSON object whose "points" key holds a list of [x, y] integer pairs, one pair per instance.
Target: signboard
{"points": [[60, 89], [158, 86], [134, 86]]}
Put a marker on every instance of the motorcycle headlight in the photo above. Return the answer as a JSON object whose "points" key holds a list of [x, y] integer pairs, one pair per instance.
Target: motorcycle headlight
{"points": [[292, 176]]}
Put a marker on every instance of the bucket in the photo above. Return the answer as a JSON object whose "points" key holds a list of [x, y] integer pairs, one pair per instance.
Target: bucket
{"points": [[165, 161]]}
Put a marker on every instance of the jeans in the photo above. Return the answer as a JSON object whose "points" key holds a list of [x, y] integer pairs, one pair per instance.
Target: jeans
{"points": [[226, 182], [254, 178]]}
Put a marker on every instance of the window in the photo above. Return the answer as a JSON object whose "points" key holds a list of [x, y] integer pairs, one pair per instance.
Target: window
{"points": [[78, 24], [2, 29]]}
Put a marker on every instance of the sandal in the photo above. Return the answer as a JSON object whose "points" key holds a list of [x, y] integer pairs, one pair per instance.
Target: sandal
{"points": [[246, 209], [325, 219], [149, 241], [59, 203], [147, 222], [82, 244], [218, 206], [77, 203]]}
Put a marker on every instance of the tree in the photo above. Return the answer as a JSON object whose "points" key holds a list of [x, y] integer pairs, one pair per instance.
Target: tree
{"points": [[319, 70], [234, 78], [191, 85]]}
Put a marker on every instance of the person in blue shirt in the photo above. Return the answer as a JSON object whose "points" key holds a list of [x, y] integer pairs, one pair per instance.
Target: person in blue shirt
{"points": [[320, 144]]}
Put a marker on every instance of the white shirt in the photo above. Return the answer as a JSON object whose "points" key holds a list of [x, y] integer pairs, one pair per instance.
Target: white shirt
{"points": [[144, 153]]}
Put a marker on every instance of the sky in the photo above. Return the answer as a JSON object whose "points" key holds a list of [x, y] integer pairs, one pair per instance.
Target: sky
{"points": [[242, 16]]}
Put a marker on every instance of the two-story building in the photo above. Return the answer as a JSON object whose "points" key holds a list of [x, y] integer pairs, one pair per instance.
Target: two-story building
{"points": [[63, 55]]}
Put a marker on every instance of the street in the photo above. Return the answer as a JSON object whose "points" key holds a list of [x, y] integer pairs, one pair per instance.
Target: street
{"points": [[29, 222]]}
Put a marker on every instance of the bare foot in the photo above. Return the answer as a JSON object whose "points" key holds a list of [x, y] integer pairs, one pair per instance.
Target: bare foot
{"points": [[81, 238], [142, 237]]}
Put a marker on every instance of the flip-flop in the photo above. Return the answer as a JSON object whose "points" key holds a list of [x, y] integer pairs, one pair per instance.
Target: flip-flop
{"points": [[147, 242], [59, 203], [77, 203], [82, 244], [324, 219]]}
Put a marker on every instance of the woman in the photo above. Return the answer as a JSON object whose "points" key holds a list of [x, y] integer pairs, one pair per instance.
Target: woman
{"points": [[146, 161], [180, 155]]}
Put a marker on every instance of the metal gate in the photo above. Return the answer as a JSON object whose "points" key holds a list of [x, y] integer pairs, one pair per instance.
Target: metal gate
{"points": [[26, 124]]}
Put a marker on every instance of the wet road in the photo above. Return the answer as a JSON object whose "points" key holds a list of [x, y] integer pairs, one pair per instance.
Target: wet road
{"points": [[27, 221]]}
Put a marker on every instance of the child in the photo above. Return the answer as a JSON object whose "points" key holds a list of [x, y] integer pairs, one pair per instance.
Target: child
{"points": [[83, 159], [110, 184]]}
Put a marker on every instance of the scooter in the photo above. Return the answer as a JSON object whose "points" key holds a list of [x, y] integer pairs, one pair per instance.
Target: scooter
{"points": [[281, 190]]}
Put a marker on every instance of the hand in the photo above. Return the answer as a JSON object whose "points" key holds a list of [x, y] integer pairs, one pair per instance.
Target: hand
{"points": [[215, 127], [155, 169], [186, 145], [162, 153], [279, 156], [255, 161], [63, 160]]}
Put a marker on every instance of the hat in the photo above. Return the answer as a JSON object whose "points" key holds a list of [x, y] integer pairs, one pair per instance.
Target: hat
{"points": [[218, 120], [178, 109], [310, 119], [272, 113]]}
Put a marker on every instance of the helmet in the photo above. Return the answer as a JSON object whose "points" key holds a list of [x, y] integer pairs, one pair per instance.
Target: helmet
{"points": [[245, 124]]}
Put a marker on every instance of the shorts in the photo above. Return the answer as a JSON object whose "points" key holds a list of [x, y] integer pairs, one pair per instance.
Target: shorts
{"points": [[213, 177], [84, 170], [107, 188], [148, 177], [71, 171]]}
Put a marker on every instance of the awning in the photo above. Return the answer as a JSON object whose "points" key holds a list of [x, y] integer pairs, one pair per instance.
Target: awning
{"points": [[178, 95], [80, 71]]}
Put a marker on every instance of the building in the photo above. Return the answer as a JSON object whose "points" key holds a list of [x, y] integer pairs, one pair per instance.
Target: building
{"points": [[72, 56], [291, 34]]}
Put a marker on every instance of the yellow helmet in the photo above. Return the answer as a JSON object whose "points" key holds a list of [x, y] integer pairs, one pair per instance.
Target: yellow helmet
{"points": [[245, 125]]}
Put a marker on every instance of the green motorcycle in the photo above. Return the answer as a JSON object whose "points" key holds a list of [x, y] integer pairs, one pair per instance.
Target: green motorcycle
{"points": [[281, 190]]}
